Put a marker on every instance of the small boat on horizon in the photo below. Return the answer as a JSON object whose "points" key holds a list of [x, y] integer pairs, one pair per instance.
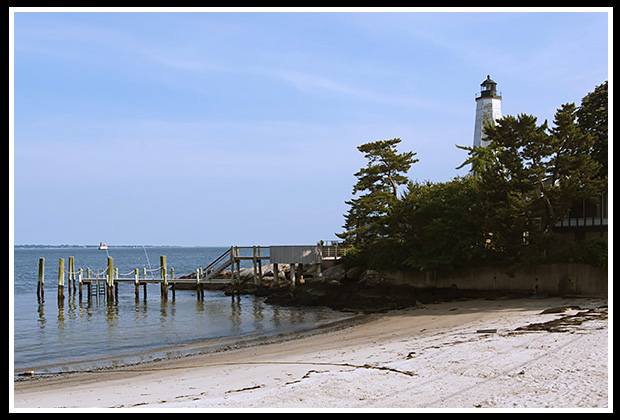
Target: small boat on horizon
{"points": [[102, 245]]}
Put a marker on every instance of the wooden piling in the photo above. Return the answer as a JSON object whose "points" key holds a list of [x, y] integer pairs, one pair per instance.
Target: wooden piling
{"points": [[116, 283], [238, 260], [202, 289], [40, 286], [144, 277], [71, 274], [173, 287], [110, 282], [80, 272], [164, 276], [61, 278], [254, 264], [232, 264], [260, 268], [88, 284], [137, 284], [292, 273], [198, 284]]}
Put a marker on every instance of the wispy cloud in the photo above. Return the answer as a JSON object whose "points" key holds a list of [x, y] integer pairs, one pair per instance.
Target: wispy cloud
{"points": [[313, 84]]}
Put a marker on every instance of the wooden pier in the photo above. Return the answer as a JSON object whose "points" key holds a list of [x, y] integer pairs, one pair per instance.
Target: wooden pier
{"points": [[106, 282]]}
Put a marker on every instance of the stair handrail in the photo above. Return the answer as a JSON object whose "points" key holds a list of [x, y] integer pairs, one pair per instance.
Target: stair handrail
{"points": [[217, 260], [211, 272]]}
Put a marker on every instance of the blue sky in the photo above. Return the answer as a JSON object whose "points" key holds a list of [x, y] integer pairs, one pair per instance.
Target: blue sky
{"points": [[223, 128]]}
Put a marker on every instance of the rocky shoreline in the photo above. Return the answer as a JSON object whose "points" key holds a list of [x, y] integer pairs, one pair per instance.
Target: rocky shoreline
{"points": [[353, 289]]}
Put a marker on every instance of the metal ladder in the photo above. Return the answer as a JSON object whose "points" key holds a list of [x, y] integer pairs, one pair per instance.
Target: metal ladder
{"points": [[99, 287]]}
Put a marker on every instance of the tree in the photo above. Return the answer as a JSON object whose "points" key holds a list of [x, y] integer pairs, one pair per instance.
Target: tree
{"points": [[511, 170], [442, 225], [592, 118], [378, 184], [574, 172]]}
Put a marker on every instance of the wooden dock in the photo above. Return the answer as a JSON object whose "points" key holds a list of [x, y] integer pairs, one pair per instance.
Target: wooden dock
{"points": [[106, 282]]}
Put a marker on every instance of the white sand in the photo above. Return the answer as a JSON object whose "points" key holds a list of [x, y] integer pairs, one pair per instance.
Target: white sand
{"points": [[428, 357]]}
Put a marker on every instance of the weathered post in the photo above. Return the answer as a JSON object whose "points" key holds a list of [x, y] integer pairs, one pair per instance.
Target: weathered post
{"points": [[88, 284], [41, 278], [144, 277], [199, 290], [137, 284], [110, 283], [238, 276], [61, 278], [164, 276], [254, 264], [202, 289], [292, 273], [260, 268], [71, 274], [80, 272], [232, 264], [116, 282]]}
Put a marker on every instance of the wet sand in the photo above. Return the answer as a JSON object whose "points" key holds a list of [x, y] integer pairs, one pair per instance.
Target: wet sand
{"points": [[464, 354]]}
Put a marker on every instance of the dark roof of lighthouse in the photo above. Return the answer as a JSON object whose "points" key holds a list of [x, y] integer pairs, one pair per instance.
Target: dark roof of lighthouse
{"points": [[488, 81]]}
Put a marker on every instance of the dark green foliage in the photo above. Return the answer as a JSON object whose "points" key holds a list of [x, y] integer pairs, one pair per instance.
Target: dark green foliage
{"points": [[592, 119], [593, 252], [441, 225]]}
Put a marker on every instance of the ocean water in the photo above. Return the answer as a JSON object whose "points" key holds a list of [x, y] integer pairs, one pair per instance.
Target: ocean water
{"points": [[49, 336]]}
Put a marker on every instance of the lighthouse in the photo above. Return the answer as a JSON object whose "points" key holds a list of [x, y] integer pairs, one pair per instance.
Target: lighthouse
{"points": [[488, 108]]}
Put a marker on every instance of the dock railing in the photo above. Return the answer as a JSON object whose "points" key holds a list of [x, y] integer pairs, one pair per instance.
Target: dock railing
{"points": [[333, 252]]}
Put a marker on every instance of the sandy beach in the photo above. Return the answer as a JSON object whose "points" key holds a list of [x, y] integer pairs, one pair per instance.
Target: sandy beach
{"points": [[463, 354]]}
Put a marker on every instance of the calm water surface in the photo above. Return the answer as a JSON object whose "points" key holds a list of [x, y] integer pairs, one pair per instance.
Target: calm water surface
{"points": [[77, 334]]}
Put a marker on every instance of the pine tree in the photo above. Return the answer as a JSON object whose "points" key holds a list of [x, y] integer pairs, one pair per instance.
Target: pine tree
{"points": [[378, 184], [573, 169], [592, 117]]}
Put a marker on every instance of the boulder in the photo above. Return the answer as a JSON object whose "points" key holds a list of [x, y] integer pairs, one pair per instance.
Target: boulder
{"points": [[354, 273], [267, 270], [372, 278], [336, 272]]}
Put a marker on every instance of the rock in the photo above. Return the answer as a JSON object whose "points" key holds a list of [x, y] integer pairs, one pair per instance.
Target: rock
{"points": [[246, 274], [267, 270], [311, 270], [336, 272], [559, 309], [354, 273], [372, 278]]}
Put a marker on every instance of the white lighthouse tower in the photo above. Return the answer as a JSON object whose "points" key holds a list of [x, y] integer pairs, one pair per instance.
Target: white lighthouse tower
{"points": [[488, 108]]}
